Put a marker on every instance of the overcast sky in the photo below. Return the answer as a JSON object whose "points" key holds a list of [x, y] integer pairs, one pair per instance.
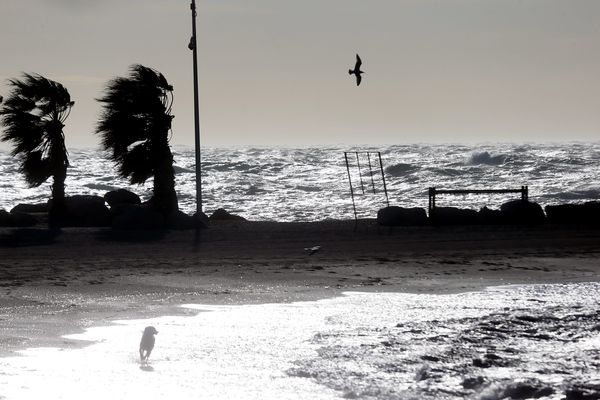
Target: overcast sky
{"points": [[275, 72]]}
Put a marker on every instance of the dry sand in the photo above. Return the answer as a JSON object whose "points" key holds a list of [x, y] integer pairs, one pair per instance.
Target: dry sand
{"points": [[53, 283]]}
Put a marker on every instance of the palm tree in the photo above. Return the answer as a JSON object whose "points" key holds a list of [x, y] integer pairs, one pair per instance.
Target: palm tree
{"points": [[135, 126], [33, 115]]}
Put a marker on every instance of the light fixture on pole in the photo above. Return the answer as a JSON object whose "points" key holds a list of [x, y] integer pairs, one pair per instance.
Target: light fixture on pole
{"points": [[193, 46]]}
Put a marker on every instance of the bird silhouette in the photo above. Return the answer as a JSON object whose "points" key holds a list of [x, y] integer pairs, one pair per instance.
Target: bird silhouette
{"points": [[312, 250], [357, 70]]}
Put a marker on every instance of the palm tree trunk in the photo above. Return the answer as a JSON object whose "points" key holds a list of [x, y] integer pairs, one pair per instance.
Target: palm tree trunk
{"points": [[59, 162], [165, 197], [58, 206]]}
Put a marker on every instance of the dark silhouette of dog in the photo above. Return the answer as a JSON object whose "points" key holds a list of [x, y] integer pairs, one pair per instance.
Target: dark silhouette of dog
{"points": [[357, 70], [147, 343]]}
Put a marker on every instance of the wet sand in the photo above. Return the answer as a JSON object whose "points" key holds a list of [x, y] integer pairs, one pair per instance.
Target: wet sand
{"points": [[53, 283]]}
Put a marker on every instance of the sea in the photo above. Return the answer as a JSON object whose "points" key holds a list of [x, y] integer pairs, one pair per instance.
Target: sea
{"points": [[511, 342], [314, 184]]}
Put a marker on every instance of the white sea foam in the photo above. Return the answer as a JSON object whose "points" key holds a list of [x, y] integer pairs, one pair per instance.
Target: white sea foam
{"points": [[311, 184], [540, 339]]}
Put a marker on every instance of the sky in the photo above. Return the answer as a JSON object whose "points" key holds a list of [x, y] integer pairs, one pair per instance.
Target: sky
{"points": [[275, 72]]}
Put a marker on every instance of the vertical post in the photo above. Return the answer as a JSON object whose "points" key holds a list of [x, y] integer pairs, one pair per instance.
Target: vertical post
{"points": [[362, 186], [431, 200], [387, 200], [371, 171], [194, 47], [351, 191]]}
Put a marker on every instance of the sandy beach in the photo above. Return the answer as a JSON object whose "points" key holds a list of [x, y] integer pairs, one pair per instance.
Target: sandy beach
{"points": [[54, 283]]}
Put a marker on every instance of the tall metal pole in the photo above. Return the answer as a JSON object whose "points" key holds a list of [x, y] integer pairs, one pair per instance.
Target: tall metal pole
{"points": [[194, 47]]}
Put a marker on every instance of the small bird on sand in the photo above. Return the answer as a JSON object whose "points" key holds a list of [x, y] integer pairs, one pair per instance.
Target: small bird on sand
{"points": [[147, 343], [312, 250], [357, 70]]}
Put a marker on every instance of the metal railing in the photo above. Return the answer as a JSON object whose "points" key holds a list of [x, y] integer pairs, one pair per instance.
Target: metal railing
{"points": [[433, 192]]}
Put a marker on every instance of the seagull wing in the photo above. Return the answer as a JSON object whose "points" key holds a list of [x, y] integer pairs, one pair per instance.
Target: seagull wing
{"points": [[358, 63], [358, 79]]}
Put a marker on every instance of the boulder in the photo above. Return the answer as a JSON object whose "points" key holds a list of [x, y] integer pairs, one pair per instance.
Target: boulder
{"points": [[22, 220], [588, 213], [131, 216], [592, 209], [223, 215], [487, 216], [30, 208], [453, 216], [400, 216], [121, 196], [83, 210], [181, 221], [522, 212], [4, 218], [565, 214], [202, 219]]}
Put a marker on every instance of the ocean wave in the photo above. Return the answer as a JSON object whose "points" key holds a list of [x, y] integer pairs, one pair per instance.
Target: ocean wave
{"points": [[99, 186], [447, 171], [182, 170], [253, 190], [309, 188], [487, 159], [438, 353], [400, 169], [589, 194]]}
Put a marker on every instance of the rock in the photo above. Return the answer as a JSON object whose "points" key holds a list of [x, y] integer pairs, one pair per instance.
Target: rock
{"points": [[83, 210], [121, 196], [131, 216], [30, 208], [488, 216], [453, 216], [565, 214], [592, 209], [400, 216], [588, 213], [22, 220], [181, 221], [222, 215], [4, 218], [520, 212], [202, 219]]}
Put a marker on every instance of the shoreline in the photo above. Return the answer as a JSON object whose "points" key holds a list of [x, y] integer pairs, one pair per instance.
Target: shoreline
{"points": [[51, 286]]}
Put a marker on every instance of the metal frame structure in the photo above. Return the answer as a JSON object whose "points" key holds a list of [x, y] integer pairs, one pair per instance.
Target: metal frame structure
{"points": [[433, 192], [357, 154]]}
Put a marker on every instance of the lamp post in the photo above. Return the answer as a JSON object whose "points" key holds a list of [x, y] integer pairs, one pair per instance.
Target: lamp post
{"points": [[193, 46]]}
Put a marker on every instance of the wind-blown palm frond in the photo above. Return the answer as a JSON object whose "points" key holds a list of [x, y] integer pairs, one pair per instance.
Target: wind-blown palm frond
{"points": [[134, 127], [33, 116]]}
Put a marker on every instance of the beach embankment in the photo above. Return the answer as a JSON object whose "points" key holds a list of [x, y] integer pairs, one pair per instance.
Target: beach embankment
{"points": [[54, 282]]}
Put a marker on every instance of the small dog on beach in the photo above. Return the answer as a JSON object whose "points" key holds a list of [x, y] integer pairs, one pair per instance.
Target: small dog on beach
{"points": [[147, 343]]}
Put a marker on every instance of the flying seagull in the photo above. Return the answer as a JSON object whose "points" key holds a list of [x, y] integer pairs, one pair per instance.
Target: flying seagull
{"points": [[357, 70]]}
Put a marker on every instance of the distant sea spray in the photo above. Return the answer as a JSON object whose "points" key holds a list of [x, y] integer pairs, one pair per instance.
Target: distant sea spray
{"points": [[308, 184]]}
